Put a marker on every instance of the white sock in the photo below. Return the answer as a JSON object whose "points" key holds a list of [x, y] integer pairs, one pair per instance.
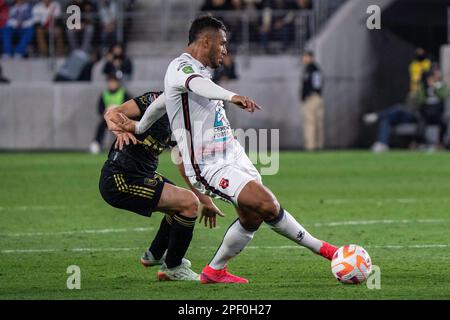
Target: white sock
{"points": [[234, 241], [287, 226]]}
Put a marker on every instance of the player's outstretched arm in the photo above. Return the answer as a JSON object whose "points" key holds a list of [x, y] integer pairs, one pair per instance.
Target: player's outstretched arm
{"points": [[114, 116], [208, 89], [155, 111]]}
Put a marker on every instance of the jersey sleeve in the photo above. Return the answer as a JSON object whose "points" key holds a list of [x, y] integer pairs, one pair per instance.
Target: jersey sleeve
{"points": [[181, 73], [143, 101]]}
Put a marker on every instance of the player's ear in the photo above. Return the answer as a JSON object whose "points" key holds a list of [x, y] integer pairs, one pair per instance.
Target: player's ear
{"points": [[206, 40]]}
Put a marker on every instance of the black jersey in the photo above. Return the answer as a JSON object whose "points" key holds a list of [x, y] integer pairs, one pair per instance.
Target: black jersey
{"points": [[142, 159], [312, 81]]}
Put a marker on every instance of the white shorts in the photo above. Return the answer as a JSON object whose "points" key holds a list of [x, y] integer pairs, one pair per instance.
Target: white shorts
{"points": [[226, 182]]}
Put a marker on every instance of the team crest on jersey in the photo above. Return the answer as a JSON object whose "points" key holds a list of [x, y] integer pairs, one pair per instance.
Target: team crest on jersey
{"points": [[150, 182], [224, 183], [146, 99]]}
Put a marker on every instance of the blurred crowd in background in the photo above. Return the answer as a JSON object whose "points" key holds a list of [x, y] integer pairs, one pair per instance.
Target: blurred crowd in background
{"points": [[37, 29], [26, 26], [276, 23], [421, 117]]}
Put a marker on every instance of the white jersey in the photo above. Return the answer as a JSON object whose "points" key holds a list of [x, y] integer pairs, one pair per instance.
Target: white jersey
{"points": [[200, 125]]}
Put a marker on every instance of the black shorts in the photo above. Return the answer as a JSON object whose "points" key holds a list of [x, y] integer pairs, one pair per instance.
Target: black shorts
{"points": [[136, 193]]}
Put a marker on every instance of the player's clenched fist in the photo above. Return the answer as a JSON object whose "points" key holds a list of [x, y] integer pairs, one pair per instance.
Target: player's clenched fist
{"points": [[245, 103]]}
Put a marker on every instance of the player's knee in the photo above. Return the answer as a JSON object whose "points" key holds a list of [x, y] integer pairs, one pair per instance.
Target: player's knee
{"points": [[189, 204], [269, 209]]}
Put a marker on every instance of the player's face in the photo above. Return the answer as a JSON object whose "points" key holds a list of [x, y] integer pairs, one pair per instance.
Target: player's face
{"points": [[218, 49]]}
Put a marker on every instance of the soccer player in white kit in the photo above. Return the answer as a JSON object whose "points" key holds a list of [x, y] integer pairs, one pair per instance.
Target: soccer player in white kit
{"points": [[214, 161]]}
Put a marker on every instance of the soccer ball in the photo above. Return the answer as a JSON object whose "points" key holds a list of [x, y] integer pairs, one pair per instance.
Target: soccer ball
{"points": [[351, 264]]}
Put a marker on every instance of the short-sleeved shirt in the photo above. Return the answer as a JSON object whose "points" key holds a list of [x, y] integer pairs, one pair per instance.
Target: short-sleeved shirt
{"points": [[199, 125]]}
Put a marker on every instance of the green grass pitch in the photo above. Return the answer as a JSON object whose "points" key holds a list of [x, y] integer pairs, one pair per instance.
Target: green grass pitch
{"points": [[396, 205]]}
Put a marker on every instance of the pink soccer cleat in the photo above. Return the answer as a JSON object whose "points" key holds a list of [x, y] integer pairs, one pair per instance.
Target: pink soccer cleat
{"points": [[210, 275], [327, 250]]}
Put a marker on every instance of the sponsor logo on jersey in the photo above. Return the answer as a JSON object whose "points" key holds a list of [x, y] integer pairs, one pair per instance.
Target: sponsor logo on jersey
{"points": [[222, 128], [188, 70]]}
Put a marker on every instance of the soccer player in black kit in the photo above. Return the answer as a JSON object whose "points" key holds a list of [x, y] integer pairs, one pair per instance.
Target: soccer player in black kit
{"points": [[129, 181]]}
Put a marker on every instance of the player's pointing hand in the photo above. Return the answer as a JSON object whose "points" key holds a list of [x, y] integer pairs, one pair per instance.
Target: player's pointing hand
{"points": [[245, 103]]}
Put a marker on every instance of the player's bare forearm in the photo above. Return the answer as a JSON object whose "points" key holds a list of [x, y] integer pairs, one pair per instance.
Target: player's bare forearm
{"points": [[113, 115]]}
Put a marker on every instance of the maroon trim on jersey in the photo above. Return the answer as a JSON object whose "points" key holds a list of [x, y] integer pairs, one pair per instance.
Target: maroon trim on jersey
{"points": [[198, 173], [186, 83]]}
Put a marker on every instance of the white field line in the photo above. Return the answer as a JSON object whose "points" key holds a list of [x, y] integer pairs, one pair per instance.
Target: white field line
{"points": [[326, 201], [386, 200], [54, 250], [368, 222], [41, 207], [381, 201], [125, 230], [415, 246], [75, 232], [68, 250]]}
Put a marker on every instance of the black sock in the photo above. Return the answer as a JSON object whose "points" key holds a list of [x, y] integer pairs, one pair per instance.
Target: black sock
{"points": [[161, 241], [180, 238]]}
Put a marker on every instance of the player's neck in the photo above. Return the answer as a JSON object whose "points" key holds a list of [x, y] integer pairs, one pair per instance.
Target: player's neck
{"points": [[197, 54]]}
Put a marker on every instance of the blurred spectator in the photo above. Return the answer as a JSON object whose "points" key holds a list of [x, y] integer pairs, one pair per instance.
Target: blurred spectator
{"points": [[118, 63], [237, 5], [211, 6], [78, 66], [82, 38], [402, 113], [108, 11], [277, 23], [431, 100], [420, 64], [114, 95], [235, 23], [227, 71], [3, 80], [306, 5], [47, 15], [313, 106], [425, 107], [4, 11], [20, 23]]}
